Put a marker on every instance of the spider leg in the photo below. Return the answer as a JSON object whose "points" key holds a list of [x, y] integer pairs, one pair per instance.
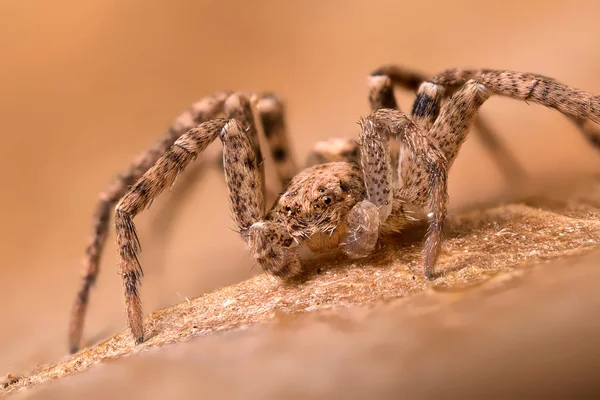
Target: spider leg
{"points": [[381, 95], [450, 128], [406, 78], [424, 163], [431, 92], [271, 122], [572, 102], [240, 108], [381, 92], [272, 118], [200, 111], [456, 77], [242, 175], [366, 217], [159, 177], [377, 128], [334, 150]]}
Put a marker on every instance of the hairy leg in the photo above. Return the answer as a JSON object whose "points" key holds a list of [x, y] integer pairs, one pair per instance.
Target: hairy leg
{"points": [[572, 102], [379, 127], [243, 178], [447, 134], [200, 111], [581, 107], [380, 158], [272, 118], [456, 77], [451, 127], [151, 184], [240, 108], [334, 150], [431, 93], [366, 217]]}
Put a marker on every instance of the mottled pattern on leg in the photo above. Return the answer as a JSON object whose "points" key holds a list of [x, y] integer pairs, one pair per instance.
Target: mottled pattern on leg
{"points": [[272, 117], [242, 176], [386, 122], [238, 107], [403, 214], [581, 107], [545, 91], [447, 134], [376, 165], [450, 79], [200, 111], [450, 129], [455, 77], [577, 104], [159, 177], [426, 106], [437, 207]]}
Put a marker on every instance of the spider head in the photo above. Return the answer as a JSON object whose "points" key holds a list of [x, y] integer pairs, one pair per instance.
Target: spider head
{"points": [[318, 199]]}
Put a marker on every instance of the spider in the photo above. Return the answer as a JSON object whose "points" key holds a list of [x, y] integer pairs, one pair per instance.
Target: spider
{"points": [[350, 194]]}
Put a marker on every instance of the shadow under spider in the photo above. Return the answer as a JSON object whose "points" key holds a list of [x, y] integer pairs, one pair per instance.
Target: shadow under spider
{"points": [[392, 248]]}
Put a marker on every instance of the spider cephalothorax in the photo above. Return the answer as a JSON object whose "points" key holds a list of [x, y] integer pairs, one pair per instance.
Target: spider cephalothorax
{"points": [[317, 199], [352, 192]]}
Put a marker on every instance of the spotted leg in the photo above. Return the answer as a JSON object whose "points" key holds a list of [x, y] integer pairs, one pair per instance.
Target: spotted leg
{"points": [[453, 78], [272, 118], [200, 111], [377, 129], [451, 127], [243, 178], [431, 93], [449, 130]]}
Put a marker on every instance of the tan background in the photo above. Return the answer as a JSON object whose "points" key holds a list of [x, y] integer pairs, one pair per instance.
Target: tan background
{"points": [[86, 85]]}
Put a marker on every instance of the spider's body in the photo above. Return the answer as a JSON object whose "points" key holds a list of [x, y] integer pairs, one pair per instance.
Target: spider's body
{"points": [[352, 192], [315, 208], [308, 213], [317, 200]]}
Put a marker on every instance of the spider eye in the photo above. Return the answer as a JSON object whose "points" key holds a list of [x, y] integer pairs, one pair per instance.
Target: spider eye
{"points": [[288, 209], [327, 200], [321, 190]]}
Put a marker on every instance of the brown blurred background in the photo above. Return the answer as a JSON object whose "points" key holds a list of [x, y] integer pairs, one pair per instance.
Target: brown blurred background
{"points": [[85, 86]]}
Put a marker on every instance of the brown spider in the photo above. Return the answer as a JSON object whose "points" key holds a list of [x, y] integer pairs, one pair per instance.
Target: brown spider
{"points": [[353, 191]]}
